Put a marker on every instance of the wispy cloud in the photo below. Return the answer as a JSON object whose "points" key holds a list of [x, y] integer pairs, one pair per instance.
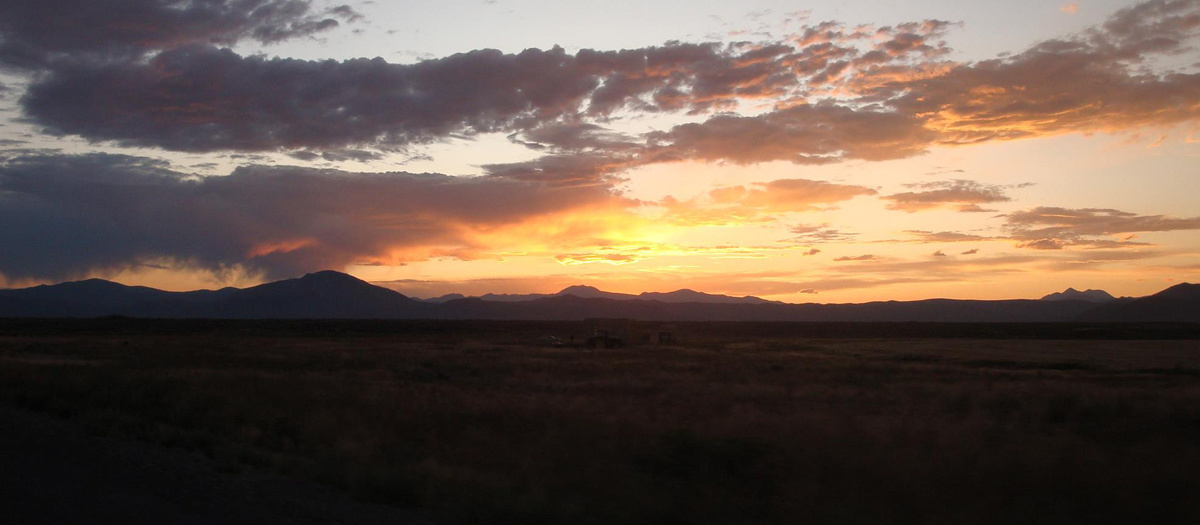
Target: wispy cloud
{"points": [[961, 195], [1051, 228], [758, 202]]}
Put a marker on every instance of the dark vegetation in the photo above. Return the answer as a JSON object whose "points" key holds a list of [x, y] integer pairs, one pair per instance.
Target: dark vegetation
{"points": [[736, 423]]}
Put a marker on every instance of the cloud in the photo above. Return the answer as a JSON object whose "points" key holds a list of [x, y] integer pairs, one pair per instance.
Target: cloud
{"points": [[939, 253], [36, 34], [805, 134], [356, 155], [200, 98], [810, 285], [1052, 228], [583, 168], [758, 202], [67, 215], [574, 136], [588, 258], [833, 93], [811, 251], [947, 236], [1091, 82], [961, 195], [972, 251], [1070, 8], [821, 233], [867, 257]]}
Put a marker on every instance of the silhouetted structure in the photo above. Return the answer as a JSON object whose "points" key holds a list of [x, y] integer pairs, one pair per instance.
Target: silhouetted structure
{"points": [[608, 332], [666, 334]]}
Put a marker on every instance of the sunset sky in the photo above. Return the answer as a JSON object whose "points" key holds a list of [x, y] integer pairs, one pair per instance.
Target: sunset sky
{"points": [[802, 151]]}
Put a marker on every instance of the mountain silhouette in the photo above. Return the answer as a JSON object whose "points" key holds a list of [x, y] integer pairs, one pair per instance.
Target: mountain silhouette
{"points": [[591, 292], [692, 296], [1179, 303], [1071, 294], [443, 298], [335, 295], [586, 292], [326, 294]]}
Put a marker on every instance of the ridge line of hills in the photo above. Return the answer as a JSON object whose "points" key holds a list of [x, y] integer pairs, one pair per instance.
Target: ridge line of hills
{"points": [[683, 295], [335, 295]]}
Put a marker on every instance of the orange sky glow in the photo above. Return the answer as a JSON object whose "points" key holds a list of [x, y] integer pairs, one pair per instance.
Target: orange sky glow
{"points": [[811, 154]]}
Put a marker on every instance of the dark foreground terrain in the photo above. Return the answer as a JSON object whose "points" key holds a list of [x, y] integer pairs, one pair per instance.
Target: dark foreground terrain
{"points": [[734, 423]]}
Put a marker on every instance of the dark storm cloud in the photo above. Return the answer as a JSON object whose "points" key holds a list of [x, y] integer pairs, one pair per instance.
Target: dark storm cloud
{"points": [[63, 216], [37, 33]]}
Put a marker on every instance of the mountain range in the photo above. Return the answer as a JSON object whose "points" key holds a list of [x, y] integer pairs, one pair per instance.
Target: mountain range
{"points": [[591, 292], [335, 295], [1091, 296]]}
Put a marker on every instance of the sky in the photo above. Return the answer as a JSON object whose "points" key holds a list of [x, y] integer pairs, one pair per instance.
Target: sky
{"points": [[806, 151]]}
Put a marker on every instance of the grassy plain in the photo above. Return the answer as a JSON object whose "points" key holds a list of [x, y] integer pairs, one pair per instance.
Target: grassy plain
{"points": [[732, 424]]}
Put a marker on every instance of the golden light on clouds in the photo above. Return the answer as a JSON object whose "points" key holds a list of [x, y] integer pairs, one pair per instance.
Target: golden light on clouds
{"points": [[843, 159]]}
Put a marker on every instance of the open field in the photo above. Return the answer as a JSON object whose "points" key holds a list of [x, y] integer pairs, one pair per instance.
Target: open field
{"points": [[732, 424]]}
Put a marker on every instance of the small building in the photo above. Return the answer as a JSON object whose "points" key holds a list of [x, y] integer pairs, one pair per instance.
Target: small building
{"points": [[666, 334], [605, 332]]}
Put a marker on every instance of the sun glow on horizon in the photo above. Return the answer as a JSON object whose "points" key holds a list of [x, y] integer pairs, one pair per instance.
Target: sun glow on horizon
{"points": [[839, 154]]}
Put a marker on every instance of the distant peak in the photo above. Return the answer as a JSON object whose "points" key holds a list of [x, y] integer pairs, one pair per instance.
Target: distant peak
{"points": [[93, 282], [1071, 294], [1180, 290], [329, 274], [579, 288]]}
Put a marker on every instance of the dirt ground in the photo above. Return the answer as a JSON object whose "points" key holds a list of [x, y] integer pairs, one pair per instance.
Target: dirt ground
{"points": [[132, 421], [53, 472]]}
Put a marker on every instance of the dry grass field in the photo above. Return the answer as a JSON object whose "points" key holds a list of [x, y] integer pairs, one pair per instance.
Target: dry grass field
{"points": [[732, 424]]}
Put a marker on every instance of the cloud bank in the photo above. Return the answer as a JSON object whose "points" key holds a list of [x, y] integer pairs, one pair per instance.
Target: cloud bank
{"points": [[37, 34], [66, 215], [826, 94]]}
